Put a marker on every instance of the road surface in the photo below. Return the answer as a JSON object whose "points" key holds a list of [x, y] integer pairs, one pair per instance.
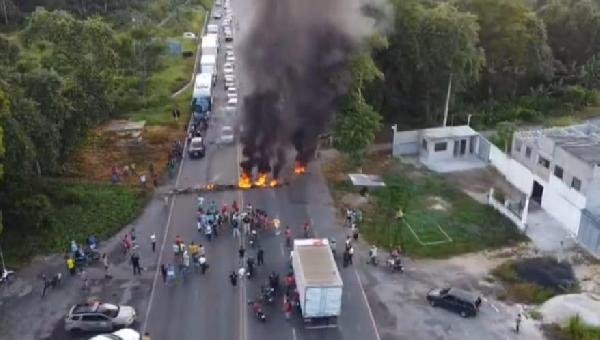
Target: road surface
{"points": [[208, 307]]}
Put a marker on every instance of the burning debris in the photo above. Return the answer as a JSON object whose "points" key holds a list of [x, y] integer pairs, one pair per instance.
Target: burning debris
{"points": [[295, 62]]}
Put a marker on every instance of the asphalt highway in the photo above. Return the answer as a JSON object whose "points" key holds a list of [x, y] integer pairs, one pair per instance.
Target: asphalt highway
{"points": [[207, 306]]}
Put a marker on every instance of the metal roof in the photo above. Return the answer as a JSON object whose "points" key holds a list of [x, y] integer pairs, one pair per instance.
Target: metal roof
{"points": [[312, 258], [448, 132], [364, 180], [582, 140]]}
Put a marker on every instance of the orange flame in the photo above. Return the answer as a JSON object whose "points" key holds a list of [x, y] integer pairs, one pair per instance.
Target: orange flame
{"points": [[210, 186], [245, 182], [261, 181], [274, 183], [299, 168]]}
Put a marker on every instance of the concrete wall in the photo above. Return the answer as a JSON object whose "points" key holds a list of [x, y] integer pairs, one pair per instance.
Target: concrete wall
{"points": [[483, 148], [435, 156], [558, 200], [589, 233], [406, 143], [517, 174]]}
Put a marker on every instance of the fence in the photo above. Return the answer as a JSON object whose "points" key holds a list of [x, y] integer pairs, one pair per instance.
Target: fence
{"points": [[519, 221]]}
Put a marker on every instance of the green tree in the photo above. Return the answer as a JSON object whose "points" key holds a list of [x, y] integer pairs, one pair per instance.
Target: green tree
{"points": [[357, 121], [515, 44], [428, 44], [573, 28]]}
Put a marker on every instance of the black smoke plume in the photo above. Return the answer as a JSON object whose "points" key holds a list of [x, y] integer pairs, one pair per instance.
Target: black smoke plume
{"points": [[293, 56]]}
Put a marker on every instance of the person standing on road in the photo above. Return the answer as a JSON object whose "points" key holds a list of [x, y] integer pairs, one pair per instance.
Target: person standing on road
{"points": [[135, 262], [153, 241], [235, 225], [518, 322], [163, 272], [71, 265], [288, 236], [203, 264], [260, 256], [106, 266], [287, 307], [233, 278], [350, 254], [185, 264], [241, 252]]}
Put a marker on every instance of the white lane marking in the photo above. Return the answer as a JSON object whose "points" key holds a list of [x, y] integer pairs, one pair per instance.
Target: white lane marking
{"points": [[293, 333], [162, 246], [282, 250], [364, 295]]}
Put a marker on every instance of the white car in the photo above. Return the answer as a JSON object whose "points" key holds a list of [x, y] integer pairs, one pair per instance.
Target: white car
{"points": [[229, 54], [212, 28], [189, 35], [227, 136], [230, 78], [98, 316], [218, 3], [217, 15], [121, 334], [228, 68], [229, 84], [232, 91], [230, 59], [232, 102]]}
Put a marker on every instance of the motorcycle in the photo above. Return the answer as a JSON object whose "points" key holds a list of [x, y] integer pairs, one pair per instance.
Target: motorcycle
{"points": [[267, 294], [253, 237], [395, 265], [257, 310]]}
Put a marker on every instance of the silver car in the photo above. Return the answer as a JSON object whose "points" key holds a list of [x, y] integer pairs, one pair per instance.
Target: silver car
{"points": [[98, 316]]}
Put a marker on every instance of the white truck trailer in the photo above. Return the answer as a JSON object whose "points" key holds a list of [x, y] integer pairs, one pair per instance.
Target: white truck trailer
{"points": [[318, 282], [208, 64], [210, 44]]}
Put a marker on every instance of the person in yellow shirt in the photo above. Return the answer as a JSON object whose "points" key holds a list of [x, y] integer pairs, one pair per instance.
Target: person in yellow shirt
{"points": [[71, 265]]}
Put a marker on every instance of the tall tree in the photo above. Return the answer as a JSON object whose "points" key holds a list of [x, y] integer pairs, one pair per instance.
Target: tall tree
{"points": [[515, 44]]}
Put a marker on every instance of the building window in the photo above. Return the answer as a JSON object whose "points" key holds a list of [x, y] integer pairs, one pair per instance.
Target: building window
{"points": [[440, 146], [543, 162], [558, 171], [518, 145], [527, 152], [424, 144], [576, 184]]}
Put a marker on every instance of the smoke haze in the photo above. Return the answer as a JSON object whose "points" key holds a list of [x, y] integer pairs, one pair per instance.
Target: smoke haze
{"points": [[295, 53]]}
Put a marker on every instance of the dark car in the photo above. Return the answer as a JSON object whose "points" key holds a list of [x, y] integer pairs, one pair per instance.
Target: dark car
{"points": [[457, 300], [196, 148]]}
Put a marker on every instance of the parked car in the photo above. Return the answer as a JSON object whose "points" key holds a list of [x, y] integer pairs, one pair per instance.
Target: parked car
{"points": [[232, 102], [217, 15], [228, 68], [228, 36], [230, 59], [229, 84], [228, 54], [121, 334], [227, 135], [457, 300], [98, 316], [197, 148], [189, 35], [232, 92]]}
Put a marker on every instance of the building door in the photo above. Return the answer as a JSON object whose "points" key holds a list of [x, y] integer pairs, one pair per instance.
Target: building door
{"points": [[472, 142], [537, 192], [455, 150], [463, 147]]}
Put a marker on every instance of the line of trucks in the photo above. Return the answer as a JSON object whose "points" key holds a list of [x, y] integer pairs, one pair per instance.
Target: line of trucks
{"points": [[202, 101]]}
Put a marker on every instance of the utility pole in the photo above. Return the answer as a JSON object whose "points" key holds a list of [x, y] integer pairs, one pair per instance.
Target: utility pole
{"points": [[447, 100]]}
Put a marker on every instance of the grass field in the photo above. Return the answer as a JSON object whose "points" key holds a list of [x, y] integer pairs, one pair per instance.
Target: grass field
{"points": [[439, 220], [76, 210]]}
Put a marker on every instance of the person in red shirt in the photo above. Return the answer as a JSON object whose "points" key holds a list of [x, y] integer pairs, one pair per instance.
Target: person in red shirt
{"points": [[235, 207], [287, 308]]}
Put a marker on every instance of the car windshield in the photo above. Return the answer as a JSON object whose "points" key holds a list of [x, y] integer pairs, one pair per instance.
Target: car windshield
{"points": [[109, 310], [197, 144], [227, 131]]}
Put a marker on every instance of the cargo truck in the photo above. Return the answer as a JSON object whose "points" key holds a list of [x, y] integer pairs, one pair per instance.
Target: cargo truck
{"points": [[210, 44], [202, 96], [318, 282]]}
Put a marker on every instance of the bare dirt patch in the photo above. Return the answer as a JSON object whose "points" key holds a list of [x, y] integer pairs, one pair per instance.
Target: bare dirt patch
{"points": [[102, 150], [437, 203]]}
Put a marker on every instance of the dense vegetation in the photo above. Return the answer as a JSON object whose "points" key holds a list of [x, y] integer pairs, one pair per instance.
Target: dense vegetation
{"points": [[509, 60], [64, 69]]}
